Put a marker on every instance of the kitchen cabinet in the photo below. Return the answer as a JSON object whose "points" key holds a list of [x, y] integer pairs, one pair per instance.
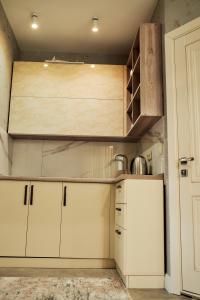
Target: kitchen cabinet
{"points": [[139, 233], [65, 117], [13, 217], [75, 81], [144, 81], [55, 219], [67, 100], [85, 220], [43, 232]]}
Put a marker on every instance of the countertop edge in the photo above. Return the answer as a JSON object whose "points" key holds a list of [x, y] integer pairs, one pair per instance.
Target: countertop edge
{"points": [[84, 180]]}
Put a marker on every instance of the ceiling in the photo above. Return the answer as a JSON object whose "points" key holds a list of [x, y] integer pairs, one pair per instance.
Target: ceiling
{"points": [[65, 25]]}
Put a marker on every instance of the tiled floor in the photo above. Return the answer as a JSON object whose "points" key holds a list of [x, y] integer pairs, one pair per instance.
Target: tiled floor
{"points": [[136, 294]]}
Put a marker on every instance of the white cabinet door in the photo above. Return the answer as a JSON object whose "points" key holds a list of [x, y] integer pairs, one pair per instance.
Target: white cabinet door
{"points": [[13, 217], [85, 220], [43, 235]]}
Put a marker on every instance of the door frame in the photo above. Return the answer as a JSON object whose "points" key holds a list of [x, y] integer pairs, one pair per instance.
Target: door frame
{"points": [[173, 281]]}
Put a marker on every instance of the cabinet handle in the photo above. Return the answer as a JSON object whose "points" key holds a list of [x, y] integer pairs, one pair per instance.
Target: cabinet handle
{"points": [[118, 209], [65, 196], [25, 194], [119, 186], [31, 195], [118, 232]]}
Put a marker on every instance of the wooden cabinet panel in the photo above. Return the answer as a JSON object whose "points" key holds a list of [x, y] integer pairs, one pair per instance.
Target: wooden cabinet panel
{"points": [[43, 235], [13, 218], [62, 116], [67, 80], [85, 221]]}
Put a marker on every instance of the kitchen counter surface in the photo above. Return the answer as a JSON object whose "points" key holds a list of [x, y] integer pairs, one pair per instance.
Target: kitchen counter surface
{"points": [[89, 180]]}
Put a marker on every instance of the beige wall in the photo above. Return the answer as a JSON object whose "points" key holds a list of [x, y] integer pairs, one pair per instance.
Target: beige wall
{"points": [[8, 52]]}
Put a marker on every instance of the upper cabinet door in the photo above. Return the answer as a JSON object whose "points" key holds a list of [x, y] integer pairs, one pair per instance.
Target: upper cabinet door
{"points": [[85, 220], [43, 236], [32, 79], [13, 217]]}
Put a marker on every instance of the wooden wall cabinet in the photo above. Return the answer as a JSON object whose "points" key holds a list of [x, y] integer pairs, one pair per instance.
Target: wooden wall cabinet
{"points": [[139, 233], [144, 81], [67, 100]]}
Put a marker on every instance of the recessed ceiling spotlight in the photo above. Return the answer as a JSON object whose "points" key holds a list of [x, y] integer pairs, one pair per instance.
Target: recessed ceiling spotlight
{"points": [[34, 21], [46, 65], [95, 24], [92, 66]]}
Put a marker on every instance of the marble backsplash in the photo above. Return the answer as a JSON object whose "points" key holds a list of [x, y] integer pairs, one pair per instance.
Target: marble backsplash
{"points": [[5, 153], [153, 142], [68, 158]]}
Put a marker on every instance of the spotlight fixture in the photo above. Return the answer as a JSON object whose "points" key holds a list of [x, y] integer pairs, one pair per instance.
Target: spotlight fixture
{"points": [[34, 21], [95, 24], [92, 66], [45, 65]]}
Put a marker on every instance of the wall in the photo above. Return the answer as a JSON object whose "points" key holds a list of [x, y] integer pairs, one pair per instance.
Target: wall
{"points": [[171, 14], [87, 58], [8, 52], [67, 158]]}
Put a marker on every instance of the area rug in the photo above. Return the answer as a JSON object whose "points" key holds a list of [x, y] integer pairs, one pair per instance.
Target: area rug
{"points": [[54, 288]]}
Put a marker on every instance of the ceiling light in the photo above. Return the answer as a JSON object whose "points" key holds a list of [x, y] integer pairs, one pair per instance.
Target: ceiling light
{"points": [[46, 65], [92, 66], [34, 21], [95, 24]]}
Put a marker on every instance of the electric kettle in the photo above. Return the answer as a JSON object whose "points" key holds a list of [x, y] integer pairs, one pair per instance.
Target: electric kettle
{"points": [[139, 165]]}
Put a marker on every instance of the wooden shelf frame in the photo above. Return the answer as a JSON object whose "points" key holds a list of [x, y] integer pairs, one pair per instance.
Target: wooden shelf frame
{"points": [[144, 86]]}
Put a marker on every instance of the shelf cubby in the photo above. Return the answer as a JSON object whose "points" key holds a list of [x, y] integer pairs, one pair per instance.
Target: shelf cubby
{"points": [[144, 81]]}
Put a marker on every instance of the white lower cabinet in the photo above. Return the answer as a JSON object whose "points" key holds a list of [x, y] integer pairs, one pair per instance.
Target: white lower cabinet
{"points": [[139, 233], [54, 219], [13, 217], [43, 233], [85, 220]]}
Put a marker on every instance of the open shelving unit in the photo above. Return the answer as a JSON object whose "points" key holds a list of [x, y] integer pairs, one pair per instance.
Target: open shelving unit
{"points": [[144, 81]]}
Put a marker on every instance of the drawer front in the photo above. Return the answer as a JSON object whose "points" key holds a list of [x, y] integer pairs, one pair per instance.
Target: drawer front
{"points": [[120, 192], [120, 240], [120, 215]]}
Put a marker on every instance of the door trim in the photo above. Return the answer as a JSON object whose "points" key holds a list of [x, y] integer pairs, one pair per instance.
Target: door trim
{"points": [[173, 281]]}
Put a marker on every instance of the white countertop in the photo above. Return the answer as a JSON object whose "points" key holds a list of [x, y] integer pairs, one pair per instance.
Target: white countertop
{"points": [[90, 180]]}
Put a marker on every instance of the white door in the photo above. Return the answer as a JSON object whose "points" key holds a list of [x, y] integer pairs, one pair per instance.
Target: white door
{"points": [[85, 220], [43, 234], [187, 60], [13, 217]]}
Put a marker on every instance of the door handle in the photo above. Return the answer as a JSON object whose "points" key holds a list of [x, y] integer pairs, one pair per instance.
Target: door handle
{"points": [[185, 160], [31, 195], [118, 232], [25, 194], [118, 209], [65, 196]]}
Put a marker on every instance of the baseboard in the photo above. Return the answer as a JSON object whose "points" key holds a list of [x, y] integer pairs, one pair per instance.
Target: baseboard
{"points": [[13, 262], [142, 282], [145, 282]]}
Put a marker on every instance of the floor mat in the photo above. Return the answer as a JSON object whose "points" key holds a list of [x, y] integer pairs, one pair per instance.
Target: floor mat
{"points": [[54, 288]]}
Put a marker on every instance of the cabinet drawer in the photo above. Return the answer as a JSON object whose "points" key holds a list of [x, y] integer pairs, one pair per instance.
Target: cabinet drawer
{"points": [[120, 241], [120, 192], [120, 215]]}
